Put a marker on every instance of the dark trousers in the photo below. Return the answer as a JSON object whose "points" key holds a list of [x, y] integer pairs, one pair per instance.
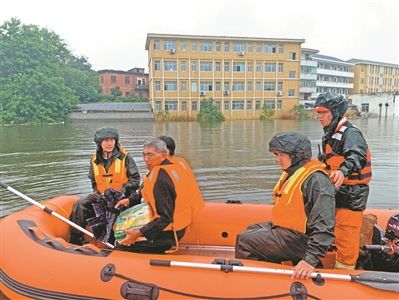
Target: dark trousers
{"points": [[81, 211], [270, 243]]}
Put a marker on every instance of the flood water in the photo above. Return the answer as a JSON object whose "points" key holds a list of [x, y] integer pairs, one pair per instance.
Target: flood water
{"points": [[230, 159]]}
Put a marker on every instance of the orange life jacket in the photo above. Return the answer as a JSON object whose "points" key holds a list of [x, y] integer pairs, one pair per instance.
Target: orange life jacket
{"points": [[195, 193], [116, 176], [334, 161], [289, 210], [182, 215]]}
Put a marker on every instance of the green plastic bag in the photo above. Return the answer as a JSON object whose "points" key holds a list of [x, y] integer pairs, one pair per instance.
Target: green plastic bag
{"points": [[132, 218]]}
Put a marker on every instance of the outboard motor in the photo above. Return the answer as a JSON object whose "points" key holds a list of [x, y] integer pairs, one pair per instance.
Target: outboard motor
{"points": [[384, 253]]}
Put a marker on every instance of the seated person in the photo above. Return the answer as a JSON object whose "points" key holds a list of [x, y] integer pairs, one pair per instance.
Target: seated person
{"points": [[166, 190], [303, 215]]}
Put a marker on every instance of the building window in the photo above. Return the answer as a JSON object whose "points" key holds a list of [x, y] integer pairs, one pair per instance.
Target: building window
{"points": [[270, 67], [238, 47], [193, 66], [206, 46], [217, 103], [249, 105], [291, 92], [158, 105], [280, 48], [239, 67], [269, 86], [226, 66], [250, 67], [218, 86], [170, 65], [365, 107], [194, 105], [183, 86], [292, 74], [113, 79], [280, 67], [258, 48], [279, 104], [249, 86], [280, 86], [184, 105], [193, 46], [269, 104], [250, 47], [170, 105], [127, 80], [170, 86], [183, 46], [205, 86], [293, 55], [193, 86], [218, 66], [238, 86], [226, 46], [169, 45], [157, 85], [157, 45], [258, 67], [226, 86], [183, 65], [226, 105], [217, 46], [258, 86], [157, 65], [206, 66], [237, 105], [257, 104], [270, 48]]}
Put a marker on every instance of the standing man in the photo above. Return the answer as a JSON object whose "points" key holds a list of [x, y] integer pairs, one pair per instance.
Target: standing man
{"points": [[303, 215], [167, 191], [348, 160], [111, 167]]}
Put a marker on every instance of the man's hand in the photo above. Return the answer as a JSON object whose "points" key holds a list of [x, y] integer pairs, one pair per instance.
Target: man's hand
{"points": [[123, 203], [337, 177], [302, 270], [131, 237]]}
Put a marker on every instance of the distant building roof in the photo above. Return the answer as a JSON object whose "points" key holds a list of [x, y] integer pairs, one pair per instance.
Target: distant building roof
{"points": [[136, 71], [331, 59], [309, 50], [212, 37], [115, 106], [356, 61]]}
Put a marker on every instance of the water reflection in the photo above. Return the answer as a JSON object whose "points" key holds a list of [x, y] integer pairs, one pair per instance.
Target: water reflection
{"points": [[230, 159]]}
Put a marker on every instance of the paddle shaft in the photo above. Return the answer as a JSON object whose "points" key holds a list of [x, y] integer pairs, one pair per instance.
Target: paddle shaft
{"points": [[51, 212], [229, 268]]}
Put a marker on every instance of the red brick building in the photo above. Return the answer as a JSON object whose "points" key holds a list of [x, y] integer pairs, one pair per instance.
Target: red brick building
{"points": [[133, 82]]}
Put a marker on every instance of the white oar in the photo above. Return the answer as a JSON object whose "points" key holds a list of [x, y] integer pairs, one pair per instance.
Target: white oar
{"points": [[379, 280], [51, 212]]}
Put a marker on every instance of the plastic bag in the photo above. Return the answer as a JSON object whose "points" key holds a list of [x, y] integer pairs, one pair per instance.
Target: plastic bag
{"points": [[132, 218]]}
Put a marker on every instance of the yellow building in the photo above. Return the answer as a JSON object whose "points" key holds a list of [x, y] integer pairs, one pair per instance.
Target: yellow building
{"points": [[241, 74], [374, 77]]}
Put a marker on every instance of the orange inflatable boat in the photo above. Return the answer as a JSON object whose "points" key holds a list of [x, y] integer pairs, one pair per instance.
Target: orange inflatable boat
{"points": [[38, 263]]}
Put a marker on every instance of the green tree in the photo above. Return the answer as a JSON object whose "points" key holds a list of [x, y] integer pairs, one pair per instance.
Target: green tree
{"points": [[40, 80], [116, 91], [267, 113], [299, 112], [209, 112]]}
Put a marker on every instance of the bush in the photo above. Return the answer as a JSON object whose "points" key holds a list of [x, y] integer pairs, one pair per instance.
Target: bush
{"points": [[267, 113], [209, 112]]}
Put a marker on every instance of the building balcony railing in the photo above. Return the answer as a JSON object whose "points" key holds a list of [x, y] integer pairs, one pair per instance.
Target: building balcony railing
{"points": [[141, 87], [343, 85], [334, 73]]}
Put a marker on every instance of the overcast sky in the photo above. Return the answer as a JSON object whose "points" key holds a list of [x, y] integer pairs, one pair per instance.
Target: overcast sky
{"points": [[112, 34]]}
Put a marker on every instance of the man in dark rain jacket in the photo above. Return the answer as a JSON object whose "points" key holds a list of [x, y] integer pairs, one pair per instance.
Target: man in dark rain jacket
{"points": [[303, 215], [111, 167], [348, 160]]}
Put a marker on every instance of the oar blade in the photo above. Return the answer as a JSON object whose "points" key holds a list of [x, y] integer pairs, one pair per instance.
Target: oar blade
{"points": [[379, 280]]}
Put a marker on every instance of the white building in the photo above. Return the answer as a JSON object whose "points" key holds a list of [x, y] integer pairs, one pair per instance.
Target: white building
{"points": [[308, 77], [333, 75], [380, 104]]}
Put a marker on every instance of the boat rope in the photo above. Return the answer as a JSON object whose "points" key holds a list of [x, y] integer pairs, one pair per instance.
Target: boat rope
{"points": [[108, 272]]}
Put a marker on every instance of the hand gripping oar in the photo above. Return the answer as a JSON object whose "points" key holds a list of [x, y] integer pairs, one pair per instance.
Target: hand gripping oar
{"points": [[51, 212], [378, 280]]}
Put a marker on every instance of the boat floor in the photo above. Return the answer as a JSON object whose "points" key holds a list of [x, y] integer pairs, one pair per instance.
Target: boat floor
{"points": [[211, 251]]}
